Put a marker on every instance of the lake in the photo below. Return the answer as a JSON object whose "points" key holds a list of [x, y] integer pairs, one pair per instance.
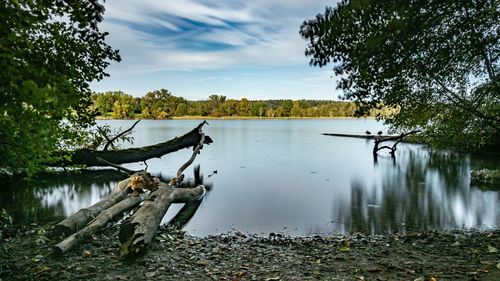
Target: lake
{"points": [[284, 176]]}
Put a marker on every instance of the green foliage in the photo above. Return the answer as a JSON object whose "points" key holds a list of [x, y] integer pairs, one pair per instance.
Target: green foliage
{"points": [[162, 104], [435, 62], [124, 107], [49, 53]]}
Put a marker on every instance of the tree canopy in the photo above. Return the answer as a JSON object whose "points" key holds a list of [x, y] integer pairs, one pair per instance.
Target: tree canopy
{"points": [[50, 50], [434, 61], [161, 104]]}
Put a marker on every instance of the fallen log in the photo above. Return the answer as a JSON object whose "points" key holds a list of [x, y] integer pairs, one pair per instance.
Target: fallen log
{"points": [[392, 148], [140, 180], [368, 137], [90, 157], [137, 231], [101, 220], [79, 219], [185, 214]]}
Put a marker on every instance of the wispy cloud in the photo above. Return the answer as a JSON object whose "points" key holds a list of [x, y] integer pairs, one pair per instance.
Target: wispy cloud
{"points": [[189, 34], [198, 47]]}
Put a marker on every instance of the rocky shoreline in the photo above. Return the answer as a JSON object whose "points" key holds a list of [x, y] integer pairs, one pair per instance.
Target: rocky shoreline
{"points": [[25, 254]]}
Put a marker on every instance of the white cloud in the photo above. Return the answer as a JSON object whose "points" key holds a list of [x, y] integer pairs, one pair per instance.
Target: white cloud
{"points": [[267, 33], [199, 47]]}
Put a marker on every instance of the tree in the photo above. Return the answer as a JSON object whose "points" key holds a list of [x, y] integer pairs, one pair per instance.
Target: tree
{"points": [[181, 110], [259, 108], [286, 107], [160, 104], [124, 107], [104, 102], [244, 107], [49, 53], [214, 102], [435, 62]]}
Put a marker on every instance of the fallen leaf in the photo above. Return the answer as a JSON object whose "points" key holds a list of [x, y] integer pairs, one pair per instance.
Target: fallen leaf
{"points": [[86, 253], [432, 278], [345, 249], [273, 278], [150, 274], [456, 244], [37, 258], [121, 277], [375, 269], [483, 270], [240, 274], [420, 279], [492, 249], [45, 269]]}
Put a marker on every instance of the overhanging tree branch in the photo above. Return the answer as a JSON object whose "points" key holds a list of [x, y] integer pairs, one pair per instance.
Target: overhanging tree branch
{"points": [[110, 141], [90, 157]]}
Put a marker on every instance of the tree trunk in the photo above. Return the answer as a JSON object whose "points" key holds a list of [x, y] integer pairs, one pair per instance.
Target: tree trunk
{"points": [[102, 219], [79, 219], [89, 157], [137, 182], [138, 231]]}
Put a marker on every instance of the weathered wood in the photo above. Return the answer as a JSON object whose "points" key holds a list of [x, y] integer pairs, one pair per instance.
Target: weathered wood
{"points": [[101, 220], [368, 137], [185, 214], [137, 232], [135, 183], [79, 219], [89, 157], [392, 148]]}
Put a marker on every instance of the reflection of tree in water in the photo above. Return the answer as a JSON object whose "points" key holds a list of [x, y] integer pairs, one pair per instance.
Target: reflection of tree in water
{"points": [[52, 197], [425, 190]]}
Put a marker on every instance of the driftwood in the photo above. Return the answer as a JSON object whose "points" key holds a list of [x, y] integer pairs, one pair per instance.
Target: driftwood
{"points": [[365, 136], [101, 220], [185, 214], [137, 231], [392, 148], [89, 157], [79, 219], [136, 182], [379, 138]]}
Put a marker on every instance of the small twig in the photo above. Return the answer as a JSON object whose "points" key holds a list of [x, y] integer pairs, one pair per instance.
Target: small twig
{"points": [[110, 142], [103, 133], [118, 167]]}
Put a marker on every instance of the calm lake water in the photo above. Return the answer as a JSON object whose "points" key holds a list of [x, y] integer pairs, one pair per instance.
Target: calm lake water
{"points": [[284, 176]]}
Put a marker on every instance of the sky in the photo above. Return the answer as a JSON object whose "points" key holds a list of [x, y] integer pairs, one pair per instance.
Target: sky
{"points": [[196, 48]]}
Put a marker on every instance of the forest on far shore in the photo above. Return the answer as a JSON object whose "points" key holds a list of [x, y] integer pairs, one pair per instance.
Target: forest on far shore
{"points": [[161, 104]]}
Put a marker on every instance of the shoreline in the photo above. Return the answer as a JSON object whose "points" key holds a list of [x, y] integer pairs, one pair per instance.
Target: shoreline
{"points": [[238, 118], [174, 255]]}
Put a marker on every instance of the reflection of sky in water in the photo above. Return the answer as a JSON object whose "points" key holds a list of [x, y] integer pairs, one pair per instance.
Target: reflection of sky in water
{"points": [[71, 199], [284, 176]]}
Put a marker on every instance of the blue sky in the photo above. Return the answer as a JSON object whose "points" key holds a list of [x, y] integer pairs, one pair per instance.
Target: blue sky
{"points": [[196, 48]]}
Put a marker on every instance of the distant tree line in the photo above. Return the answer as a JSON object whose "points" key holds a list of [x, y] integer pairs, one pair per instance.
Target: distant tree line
{"points": [[161, 104]]}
